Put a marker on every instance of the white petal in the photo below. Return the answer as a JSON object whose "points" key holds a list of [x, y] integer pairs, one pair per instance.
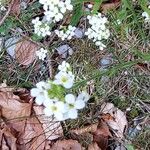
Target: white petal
{"points": [[40, 99], [68, 84], [48, 102], [48, 112], [59, 116], [35, 92], [79, 104], [73, 114], [70, 98], [83, 96]]}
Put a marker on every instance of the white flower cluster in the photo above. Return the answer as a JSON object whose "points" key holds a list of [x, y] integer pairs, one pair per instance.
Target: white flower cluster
{"points": [[41, 28], [2, 7], [41, 53], [66, 33], [146, 16], [98, 30], [55, 95], [54, 9]]}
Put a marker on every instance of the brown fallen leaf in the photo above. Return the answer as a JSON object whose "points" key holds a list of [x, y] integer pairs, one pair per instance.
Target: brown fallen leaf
{"points": [[67, 145], [25, 52], [109, 6], [33, 137], [101, 135], [9, 138], [15, 9], [93, 146], [117, 122], [52, 128], [4, 145], [12, 108], [87, 129]]}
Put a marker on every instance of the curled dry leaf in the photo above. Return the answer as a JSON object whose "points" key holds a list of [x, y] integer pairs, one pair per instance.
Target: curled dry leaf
{"points": [[93, 146], [101, 135], [25, 52], [67, 145], [117, 119], [12, 107], [87, 129], [52, 128], [111, 5]]}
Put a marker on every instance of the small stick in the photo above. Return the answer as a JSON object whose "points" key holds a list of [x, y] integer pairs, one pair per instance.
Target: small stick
{"points": [[7, 13]]}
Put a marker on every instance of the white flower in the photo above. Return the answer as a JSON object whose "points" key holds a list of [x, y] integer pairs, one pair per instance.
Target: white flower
{"points": [[41, 53], [64, 66], [65, 79], [55, 9], [146, 16], [41, 28], [57, 109], [66, 34], [83, 96], [2, 7], [97, 30], [40, 92], [73, 105]]}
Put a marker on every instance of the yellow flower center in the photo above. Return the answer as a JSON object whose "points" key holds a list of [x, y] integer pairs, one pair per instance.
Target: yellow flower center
{"points": [[64, 79], [54, 108]]}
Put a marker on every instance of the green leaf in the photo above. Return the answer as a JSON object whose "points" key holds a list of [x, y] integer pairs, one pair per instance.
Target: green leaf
{"points": [[77, 14], [96, 6], [130, 147]]}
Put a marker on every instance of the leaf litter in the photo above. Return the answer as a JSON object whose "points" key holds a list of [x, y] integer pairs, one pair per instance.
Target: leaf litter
{"points": [[23, 125]]}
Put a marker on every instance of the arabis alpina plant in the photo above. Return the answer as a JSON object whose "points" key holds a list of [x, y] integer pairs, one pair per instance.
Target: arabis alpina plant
{"points": [[146, 16], [55, 9], [64, 33], [41, 28], [98, 30], [41, 53], [56, 95]]}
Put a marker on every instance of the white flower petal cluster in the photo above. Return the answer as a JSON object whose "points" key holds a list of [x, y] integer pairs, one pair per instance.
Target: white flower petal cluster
{"points": [[146, 16], [55, 98], [55, 9], [67, 109], [2, 7], [40, 92], [41, 28], [66, 34], [41, 53], [64, 77], [98, 30]]}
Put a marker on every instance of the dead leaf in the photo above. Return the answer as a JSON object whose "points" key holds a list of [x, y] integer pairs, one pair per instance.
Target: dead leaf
{"points": [[119, 121], [93, 146], [12, 108], [15, 9], [33, 137], [109, 6], [25, 52], [10, 139], [87, 129], [101, 135], [4, 144], [67, 145], [51, 127]]}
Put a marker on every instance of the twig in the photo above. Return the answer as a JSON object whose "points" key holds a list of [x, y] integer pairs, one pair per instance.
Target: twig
{"points": [[7, 13]]}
